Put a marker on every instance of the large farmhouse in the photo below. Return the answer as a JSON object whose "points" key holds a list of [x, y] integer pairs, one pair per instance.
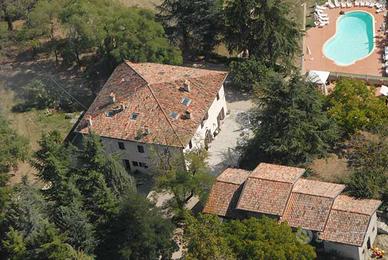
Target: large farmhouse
{"points": [[338, 222], [146, 107]]}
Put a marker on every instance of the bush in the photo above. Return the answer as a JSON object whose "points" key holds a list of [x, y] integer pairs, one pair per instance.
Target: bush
{"points": [[37, 94]]}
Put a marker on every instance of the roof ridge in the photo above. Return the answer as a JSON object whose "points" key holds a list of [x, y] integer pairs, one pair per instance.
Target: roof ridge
{"points": [[157, 101], [315, 195], [353, 212]]}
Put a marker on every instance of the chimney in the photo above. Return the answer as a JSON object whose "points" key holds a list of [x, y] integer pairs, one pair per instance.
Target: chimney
{"points": [[186, 86], [146, 130], [112, 97], [90, 121], [187, 114]]}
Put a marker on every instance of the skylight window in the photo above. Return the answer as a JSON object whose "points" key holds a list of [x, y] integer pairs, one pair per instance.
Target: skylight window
{"points": [[174, 115], [186, 101], [134, 116], [109, 114]]}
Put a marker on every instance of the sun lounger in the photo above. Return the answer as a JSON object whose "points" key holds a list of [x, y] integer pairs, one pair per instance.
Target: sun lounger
{"points": [[321, 18], [336, 3], [318, 24], [321, 14], [343, 4], [349, 3], [372, 3], [362, 3], [330, 4], [356, 3], [320, 7]]}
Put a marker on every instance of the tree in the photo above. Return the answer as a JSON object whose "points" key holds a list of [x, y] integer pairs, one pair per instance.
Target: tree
{"points": [[133, 34], [204, 238], [354, 106], [139, 231], [93, 157], [264, 238], [368, 160], [183, 180], [207, 237], [262, 28], [14, 9], [30, 234], [13, 149], [194, 25], [291, 126], [37, 94], [43, 20], [247, 73]]}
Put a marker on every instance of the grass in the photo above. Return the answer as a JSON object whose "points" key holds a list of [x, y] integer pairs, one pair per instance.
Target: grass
{"points": [[147, 4], [31, 125]]}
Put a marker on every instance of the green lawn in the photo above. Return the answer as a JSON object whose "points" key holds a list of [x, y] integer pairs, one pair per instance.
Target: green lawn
{"points": [[31, 125]]}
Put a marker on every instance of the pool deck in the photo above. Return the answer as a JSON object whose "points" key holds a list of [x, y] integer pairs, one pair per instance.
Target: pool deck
{"points": [[315, 38]]}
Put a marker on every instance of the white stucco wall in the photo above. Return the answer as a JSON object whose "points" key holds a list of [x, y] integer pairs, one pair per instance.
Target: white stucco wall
{"points": [[210, 123], [131, 152], [354, 252]]}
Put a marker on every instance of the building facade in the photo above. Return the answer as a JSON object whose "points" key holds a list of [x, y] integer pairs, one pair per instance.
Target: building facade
{"points": [[146, 109]]}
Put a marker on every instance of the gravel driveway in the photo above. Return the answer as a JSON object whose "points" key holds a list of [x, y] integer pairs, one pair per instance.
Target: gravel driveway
{"points": [[222, 150]]}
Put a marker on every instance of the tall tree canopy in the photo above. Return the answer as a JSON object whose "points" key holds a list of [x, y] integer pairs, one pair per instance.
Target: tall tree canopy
{"points": [[368, 161], [195, 25], [209, 238], [87, 209], [262, 28], [13, 149], [291, 126], [113, 31], [354, 106], [138, 232]]}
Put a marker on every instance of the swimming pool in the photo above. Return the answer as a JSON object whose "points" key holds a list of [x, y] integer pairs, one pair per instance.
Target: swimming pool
{"points": [[353, 40]]}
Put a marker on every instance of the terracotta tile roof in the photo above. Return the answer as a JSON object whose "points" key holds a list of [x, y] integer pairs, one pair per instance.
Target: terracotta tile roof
{"points": [[346, 227], [225, 192], [349, 220], [318, 188], [277, 172], [310, 203], [307, 211], [232, 175], [264, 196], [346, 203], [153, 91]]}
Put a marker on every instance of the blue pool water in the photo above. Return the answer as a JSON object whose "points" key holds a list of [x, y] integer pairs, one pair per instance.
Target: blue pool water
{"points": [[353, 39]]}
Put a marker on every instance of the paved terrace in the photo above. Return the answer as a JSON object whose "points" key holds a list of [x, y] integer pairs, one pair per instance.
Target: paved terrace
{"points": [[316, 38]]}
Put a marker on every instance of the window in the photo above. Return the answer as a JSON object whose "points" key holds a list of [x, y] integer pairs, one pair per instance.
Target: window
{"points": [[174, 115], [109, 113], [134, 163], [127, 165], [134, 116], [121, 146], [144, 165], [190, 144], [186, 101], [218, 96], [140, 149], [206, 116]]}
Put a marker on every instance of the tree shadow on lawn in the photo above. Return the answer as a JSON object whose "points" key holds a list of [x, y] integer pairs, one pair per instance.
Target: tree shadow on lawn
{"points": [[68, 82]]}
